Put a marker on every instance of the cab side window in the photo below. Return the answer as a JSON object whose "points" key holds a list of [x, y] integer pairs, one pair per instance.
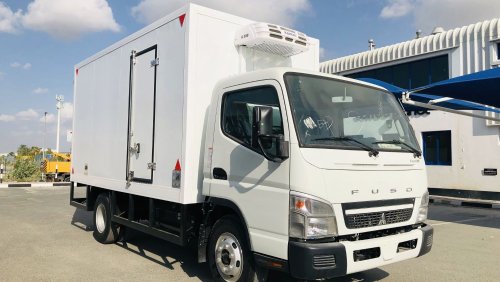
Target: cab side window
{"points": [[237, 112]]}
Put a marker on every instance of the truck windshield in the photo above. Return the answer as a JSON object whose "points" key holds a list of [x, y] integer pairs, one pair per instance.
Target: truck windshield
{"points": [[339, 114]]}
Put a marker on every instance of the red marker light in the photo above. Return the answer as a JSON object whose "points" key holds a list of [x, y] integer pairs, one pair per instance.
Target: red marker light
{"points": [[76, 71], [177, 166], [181, 19], [72, 171]]}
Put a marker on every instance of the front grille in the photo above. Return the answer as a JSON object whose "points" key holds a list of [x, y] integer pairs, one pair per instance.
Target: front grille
{"points": [[363, 220], [324, 260]]}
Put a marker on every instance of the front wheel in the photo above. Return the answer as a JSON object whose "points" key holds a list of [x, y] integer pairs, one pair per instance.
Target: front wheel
{"points": [[229, 256]]}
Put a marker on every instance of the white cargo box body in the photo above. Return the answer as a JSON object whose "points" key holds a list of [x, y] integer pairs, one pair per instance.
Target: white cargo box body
{"points": [[160, 95]]}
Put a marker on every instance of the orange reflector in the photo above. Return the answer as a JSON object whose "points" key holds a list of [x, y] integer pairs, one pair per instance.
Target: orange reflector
{"points": [[299, 204]]}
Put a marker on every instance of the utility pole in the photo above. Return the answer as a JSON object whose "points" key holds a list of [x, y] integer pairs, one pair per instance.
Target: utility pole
{"points": [[44, 150], [59, 105]]}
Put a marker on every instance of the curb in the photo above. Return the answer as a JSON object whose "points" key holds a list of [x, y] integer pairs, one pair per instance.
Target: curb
{"points": [[465, 202], [36, 184]]}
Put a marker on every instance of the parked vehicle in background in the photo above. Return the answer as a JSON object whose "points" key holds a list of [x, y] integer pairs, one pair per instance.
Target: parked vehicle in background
{"points": [[212, 130], [56, 166]]}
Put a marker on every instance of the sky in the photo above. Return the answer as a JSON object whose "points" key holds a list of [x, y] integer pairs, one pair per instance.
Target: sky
{"points": [[42, 40]]}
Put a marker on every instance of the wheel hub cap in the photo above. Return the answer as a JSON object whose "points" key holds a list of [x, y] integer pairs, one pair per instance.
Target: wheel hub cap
{"points": [[100, 218], [229, 257]]}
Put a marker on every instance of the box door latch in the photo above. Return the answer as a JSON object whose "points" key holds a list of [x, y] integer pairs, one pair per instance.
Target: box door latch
{"points": [[155, 62]]}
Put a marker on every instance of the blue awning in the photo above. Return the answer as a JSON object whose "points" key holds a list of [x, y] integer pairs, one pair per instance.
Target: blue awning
{"points": [[481, 87], [454, 104]]}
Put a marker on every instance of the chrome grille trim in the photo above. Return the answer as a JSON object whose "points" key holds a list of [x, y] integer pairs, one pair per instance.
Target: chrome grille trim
{"points": [[363, 220]]}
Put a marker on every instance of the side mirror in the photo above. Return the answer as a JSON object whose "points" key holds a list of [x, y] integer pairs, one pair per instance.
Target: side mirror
{"points": [[262, 125], [263, 137]]}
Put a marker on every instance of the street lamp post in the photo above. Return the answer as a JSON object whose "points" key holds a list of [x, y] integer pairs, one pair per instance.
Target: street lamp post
{"points": [[59, 105]]}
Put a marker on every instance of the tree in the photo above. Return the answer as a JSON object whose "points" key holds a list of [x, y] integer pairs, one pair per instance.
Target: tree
{"points": [[25, 170], [23, 150], [33, 151]]}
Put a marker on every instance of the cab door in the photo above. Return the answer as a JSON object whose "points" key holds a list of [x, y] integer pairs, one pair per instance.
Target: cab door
{"points": [[240, 173]]}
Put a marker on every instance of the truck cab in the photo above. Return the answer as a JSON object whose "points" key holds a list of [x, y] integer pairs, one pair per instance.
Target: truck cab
{"points": [[325, 172]]}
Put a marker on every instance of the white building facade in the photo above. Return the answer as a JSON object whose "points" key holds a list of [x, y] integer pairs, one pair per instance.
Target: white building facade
{"points": [[462, 153]]}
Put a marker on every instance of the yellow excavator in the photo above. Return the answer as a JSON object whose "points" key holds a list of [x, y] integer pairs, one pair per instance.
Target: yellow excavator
{"points": [[56, 166]]}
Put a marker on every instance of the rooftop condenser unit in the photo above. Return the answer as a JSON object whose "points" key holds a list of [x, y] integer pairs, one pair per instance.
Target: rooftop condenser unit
{"points": [[272, 38]]}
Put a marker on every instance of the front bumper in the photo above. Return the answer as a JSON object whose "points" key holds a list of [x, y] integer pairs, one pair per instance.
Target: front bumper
{"points": [[311, 261]]}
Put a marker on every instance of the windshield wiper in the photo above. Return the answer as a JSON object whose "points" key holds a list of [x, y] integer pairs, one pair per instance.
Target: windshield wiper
{"points": [[415, 151], [373, 152]]}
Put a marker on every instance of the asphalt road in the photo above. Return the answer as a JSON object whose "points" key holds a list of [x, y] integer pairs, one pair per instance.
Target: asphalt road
{"points": [[43, 238]]}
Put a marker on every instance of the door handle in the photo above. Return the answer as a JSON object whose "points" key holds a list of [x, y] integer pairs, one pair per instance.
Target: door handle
{"points": [[219, 173]]}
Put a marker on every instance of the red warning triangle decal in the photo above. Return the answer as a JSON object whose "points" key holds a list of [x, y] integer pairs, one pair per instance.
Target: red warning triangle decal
{"points": [[181, 19]]}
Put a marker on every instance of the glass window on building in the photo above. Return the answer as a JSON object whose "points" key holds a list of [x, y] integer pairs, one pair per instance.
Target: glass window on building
{"points": [[402, 76], [437, 147], [384, 74], [420, 75], [439, 69], [498, 51], [412, 74]]}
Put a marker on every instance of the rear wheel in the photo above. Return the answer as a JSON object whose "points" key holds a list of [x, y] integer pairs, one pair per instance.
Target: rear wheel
{"points": [[229, 255], [105, 231]]}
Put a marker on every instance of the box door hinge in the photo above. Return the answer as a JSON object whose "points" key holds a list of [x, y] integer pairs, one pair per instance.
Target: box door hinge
{"points": [[133, 56], [152, 166]]}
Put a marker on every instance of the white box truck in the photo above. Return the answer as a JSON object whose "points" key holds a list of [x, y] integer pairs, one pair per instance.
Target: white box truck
{"points": [[212, 130]]}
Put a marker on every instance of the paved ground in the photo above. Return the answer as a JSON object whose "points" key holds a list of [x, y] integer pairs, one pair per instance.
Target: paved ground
{"points": [[42, 238]]}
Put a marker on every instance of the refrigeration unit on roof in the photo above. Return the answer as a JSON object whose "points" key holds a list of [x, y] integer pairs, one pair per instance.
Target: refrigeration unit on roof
{"points": [[272, 38]]}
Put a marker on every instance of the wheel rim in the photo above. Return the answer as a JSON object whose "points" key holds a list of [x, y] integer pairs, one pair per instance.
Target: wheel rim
{"points": [[100, 218], [229, 257]]}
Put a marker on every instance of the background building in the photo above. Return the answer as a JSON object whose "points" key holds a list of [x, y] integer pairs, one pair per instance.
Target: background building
{"points": [[461, 152]]}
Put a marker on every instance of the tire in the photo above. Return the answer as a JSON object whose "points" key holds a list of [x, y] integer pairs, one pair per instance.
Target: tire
{"points": [[227, 247], [105, 231]]}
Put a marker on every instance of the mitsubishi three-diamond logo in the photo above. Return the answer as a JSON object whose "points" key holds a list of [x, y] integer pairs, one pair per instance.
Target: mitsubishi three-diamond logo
{"points": [[382, 220]]}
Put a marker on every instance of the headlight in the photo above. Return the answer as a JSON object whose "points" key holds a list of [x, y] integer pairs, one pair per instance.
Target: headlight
{"points": [[311, 219], [424, 207]]}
